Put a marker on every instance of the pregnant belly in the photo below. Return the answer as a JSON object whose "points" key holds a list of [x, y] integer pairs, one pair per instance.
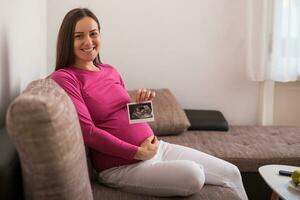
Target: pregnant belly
{"points": [[134, 133], [119, 126]]}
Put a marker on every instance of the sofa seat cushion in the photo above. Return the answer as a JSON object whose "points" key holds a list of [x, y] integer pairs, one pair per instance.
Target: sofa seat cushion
{"points": [[208, 192], [248, 147]]}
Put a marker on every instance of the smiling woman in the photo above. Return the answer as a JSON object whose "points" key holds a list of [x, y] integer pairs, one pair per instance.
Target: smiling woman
{"points": [[86, 43], [78, 40], [126, 155]]}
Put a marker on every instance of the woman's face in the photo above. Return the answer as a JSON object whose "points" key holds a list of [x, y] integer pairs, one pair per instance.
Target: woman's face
{"points": [[86, 41]]}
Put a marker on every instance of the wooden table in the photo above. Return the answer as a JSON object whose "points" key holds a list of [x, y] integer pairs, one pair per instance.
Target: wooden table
{"points": [[278, 183]]}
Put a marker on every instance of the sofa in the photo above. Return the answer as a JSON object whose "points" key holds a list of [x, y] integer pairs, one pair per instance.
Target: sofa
{"points": [[45, 157]]}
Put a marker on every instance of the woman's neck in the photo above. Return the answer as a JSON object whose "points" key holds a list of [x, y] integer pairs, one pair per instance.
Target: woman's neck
{"points": [[87, 66]]}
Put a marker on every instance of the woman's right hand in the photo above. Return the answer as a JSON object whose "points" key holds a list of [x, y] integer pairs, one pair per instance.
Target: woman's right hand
{"points": [[148, 149]]}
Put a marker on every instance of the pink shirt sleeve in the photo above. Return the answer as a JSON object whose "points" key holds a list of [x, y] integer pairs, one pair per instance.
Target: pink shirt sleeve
{"points": [[94, 137]]}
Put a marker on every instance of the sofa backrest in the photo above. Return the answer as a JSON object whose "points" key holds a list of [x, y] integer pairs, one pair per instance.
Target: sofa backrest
{"points": [[43, 124]]}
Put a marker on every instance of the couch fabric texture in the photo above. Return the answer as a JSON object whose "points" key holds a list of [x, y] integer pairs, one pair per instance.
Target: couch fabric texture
{"points": [[44, 126], [247, 147]]}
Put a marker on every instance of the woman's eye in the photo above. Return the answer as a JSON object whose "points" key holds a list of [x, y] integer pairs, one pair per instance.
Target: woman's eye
{"points": [[94, 34], [78, 36]]}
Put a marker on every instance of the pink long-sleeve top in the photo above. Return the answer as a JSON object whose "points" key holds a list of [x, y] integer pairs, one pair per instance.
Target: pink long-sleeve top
{"points": [[100, 99]]}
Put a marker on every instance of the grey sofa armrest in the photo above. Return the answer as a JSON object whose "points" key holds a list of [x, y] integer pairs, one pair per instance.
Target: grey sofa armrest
{"points": [[43, 125], [10, 172]]}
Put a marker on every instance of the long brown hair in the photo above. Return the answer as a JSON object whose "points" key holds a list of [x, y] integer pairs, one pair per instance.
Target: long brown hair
{"points": [[65, 40]]}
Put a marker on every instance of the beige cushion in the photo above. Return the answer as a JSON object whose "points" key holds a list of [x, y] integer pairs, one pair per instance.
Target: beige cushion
{"points": [[43, 124], [170, 118]]}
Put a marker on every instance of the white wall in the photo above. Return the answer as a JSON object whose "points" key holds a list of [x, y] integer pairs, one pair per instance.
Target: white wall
{"points": [[196, 48], [23, 52]]}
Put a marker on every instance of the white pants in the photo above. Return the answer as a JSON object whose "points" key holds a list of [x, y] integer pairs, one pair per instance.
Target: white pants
{"points": [[174, 171]]}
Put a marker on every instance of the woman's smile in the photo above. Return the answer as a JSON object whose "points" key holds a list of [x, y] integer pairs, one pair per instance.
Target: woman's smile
{"points": [[88, 49], [86, 42]]}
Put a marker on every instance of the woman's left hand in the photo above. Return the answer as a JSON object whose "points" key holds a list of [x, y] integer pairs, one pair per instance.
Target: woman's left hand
{"points": [[144, 95]]}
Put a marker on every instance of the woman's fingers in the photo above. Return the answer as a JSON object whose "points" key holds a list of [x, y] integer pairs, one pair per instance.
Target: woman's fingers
{"points": [[138, 95], [152, 95], [144, 95], [148, 141], [151, 139], [154, 140], [147, 95]]}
